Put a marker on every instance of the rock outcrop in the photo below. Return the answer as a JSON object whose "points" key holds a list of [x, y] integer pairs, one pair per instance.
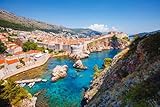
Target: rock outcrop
{"points": [[59, 72], [133, 78], [79, 65], [29, 102], [108, 43], [79, 56], [95, 85]]}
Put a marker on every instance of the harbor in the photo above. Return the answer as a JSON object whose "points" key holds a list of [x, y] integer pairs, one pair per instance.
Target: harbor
{"points": [[30, 82], [66, 91]]}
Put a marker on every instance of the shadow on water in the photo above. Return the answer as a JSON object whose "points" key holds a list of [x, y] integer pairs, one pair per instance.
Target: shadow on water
{"points": [[42, 99], [30, 74]]}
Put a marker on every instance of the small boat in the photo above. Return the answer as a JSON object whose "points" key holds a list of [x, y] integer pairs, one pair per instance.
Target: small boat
{"points": [[30, 85], [44, 80], [22, 84]]}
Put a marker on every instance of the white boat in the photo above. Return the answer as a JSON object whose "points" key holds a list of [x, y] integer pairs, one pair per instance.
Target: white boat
{"points": [[22, 84], [30, 85], [44, 80]]}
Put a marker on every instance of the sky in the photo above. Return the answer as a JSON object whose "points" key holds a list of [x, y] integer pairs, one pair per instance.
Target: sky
{"points": [[130, 16]]}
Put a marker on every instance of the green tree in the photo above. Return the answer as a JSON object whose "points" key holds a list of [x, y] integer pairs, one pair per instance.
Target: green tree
{"points": [[3, 30], [2, 47], [29, 46], [10, 39], [50, 50], [12, 92], [42, 49], [126, 38], [21, 61], [136, 37], [107, 62], [114, 38], [96, 71]]}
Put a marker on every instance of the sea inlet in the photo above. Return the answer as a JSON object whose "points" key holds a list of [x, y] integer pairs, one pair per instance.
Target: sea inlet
{"points": [[67, 92]]}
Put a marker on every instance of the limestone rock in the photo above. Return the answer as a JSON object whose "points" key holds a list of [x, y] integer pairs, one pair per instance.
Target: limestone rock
{"points": [[29, 102], [136, 66], [59, 72], [79, 65], [79, 56]]}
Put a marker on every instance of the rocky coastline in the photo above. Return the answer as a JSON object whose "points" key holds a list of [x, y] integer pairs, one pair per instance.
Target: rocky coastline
{"points": [[95, 85], [29, 102], [97, 82], [141, 62], [108, 43]]}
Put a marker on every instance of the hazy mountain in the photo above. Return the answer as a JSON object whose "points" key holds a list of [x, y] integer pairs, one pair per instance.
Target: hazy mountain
{"points": [[145, 33], [10, 20], [85, 32]]}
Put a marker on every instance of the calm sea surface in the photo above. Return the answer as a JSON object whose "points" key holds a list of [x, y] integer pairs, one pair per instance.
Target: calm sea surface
{"points": [[66, 92]]}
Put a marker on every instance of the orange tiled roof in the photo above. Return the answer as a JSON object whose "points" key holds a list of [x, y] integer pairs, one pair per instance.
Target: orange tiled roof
{"points": [[18, 53], [32, 51], [2, 61], [12, 61]]}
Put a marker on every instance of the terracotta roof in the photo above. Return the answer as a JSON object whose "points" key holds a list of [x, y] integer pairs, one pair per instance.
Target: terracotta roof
{"points": [[12, 61], [2, 61], [19, 53], [33, 51]]}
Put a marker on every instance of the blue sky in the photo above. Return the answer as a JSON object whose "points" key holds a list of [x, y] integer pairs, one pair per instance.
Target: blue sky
{"points": [[131, 16]]}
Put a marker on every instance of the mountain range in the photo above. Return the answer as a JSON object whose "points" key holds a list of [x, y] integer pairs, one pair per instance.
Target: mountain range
{"points": [[10, 20]]}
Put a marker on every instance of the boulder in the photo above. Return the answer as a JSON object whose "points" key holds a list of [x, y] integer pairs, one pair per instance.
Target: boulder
{"points": [[28, 102], [79, 56], [59, 72], [87, 52], [79, 65]]}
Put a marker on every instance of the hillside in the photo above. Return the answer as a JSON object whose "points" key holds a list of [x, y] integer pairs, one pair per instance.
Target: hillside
{"points": [[26, 22], [10, 20], [12, 95], [133, 79], [144, 34], [108, 43]]}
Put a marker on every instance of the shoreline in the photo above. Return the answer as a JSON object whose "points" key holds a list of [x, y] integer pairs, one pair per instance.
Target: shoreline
{"points": [[95, 85], [46, 64], [26, 68], [29, 70], [64, 54]]}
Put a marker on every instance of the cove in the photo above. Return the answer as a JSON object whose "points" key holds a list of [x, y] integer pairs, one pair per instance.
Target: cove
{"points": [[67, 92]]}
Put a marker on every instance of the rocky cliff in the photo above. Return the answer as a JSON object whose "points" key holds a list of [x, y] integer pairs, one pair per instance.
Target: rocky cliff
{"points": [[113, 42], [133, 79]]}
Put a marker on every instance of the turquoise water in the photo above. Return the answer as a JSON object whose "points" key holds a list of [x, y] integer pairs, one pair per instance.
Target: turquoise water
{"points": [[68, 92]]}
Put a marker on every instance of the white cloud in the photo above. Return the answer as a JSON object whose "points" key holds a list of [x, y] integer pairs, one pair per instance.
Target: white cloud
{"points": [[99, 27], [102, 28], [114, 29]]}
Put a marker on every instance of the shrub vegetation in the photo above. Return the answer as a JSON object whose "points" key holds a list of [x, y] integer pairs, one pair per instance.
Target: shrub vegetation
{"points": [[11, 93]]}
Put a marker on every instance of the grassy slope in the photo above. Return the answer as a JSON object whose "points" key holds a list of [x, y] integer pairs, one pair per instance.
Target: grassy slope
{"points": [[7, 24]]}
